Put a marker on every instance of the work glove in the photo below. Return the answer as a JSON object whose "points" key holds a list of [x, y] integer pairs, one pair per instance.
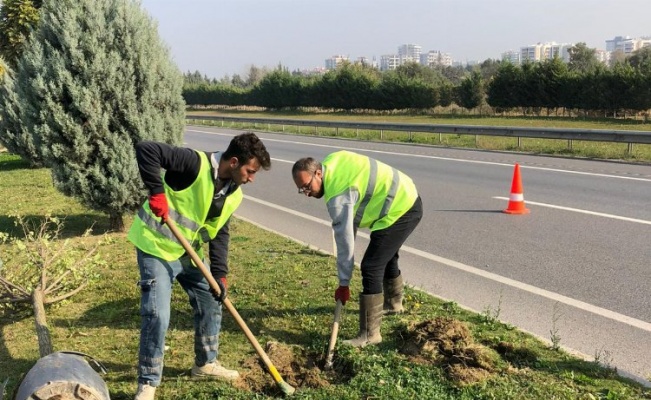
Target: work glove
{"points": [[342, 294], [221, 282], [158, 205]]}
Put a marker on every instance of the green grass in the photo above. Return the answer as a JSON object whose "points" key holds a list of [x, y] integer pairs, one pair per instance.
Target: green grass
{"points": [[283, 291], [575, 148]]}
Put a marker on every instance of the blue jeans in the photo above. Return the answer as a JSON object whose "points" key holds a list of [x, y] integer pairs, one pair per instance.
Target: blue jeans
{"points": [[156, 279]]}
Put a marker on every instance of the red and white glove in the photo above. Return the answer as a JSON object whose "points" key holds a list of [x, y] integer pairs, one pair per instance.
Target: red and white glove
{"points": [[158, 205], [342, 294]]}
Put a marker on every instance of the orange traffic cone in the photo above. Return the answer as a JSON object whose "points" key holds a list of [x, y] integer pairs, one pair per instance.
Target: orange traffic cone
{"points": [[516, 199]]}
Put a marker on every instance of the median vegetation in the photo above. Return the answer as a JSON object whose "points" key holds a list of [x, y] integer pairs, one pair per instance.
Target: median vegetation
{"points": [[582, 87], [281, 289]]}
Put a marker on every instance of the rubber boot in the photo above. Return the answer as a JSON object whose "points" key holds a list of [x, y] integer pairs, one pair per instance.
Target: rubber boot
{"points": [[370, 318], [393, 294]]}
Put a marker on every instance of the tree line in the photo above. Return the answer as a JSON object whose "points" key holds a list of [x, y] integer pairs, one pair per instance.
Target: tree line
{"points": [[582, 85]]}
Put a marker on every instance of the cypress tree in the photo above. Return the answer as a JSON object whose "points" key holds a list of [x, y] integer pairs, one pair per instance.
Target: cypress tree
{"points": [[13, 131], [96, 78]]}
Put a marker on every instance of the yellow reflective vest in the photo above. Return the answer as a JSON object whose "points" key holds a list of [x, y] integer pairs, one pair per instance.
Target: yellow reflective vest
{"points": [[385, 193], [188, 209]]}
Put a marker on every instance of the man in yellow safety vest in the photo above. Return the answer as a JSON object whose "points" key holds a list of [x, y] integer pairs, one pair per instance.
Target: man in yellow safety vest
{"points": [[361, 192], [199, 191]]}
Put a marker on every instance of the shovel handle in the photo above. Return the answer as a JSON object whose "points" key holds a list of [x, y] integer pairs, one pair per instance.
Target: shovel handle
{"points": [[333, 335], [285, 387]]}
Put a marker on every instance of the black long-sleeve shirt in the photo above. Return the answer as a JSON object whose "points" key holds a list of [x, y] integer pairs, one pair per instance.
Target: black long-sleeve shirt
{"points": [[181, 167]]}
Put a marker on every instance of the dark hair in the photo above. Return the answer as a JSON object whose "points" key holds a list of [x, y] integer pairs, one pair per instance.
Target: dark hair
{"points": [[308, 164], [247, 146]]}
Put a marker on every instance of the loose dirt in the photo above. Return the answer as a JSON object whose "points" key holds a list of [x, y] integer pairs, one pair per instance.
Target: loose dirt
{"points": [[294, 366], [449, 343]]}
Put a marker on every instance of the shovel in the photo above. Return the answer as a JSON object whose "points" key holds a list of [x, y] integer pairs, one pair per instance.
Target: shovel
{"points": [[284, 386], [333, 336]]}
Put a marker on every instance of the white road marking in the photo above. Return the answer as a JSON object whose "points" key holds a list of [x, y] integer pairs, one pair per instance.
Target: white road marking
{"points": [[578, 210], [438, 158], [485, 274]]}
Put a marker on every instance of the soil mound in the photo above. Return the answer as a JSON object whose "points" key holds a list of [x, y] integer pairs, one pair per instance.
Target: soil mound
{"points": [[449, 343]]}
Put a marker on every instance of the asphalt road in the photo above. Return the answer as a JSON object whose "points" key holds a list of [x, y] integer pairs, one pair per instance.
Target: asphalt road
{"points": [[577, 265]]}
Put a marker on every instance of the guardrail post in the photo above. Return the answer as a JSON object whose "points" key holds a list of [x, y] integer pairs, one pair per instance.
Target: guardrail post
{"points": [[410, 139], [440, 137], [381, 134], [337, 131], [629, 149], [268, 127], [283, 127], [316, 132], [222, 123], [476, 140], [569, 144], [519, 142], [356, 132]]}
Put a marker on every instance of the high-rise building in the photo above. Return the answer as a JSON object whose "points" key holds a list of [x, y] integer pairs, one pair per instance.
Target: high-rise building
{"points": [[436, 58], [409, 53], [545, 51], [614, 43], [389, 62], [512, 56], [334, 61]]}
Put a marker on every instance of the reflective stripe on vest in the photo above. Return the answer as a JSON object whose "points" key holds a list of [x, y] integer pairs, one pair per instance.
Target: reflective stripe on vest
{"points": [[385, 193], [154, 223], [388, 201], [193, 203], [370, 189]]}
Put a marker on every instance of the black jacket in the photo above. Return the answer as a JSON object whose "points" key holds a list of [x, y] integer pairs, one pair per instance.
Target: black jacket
{"points": [[181, 167]]}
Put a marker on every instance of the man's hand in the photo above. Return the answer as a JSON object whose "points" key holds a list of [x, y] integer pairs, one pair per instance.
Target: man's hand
{"points": [[158, 205], [342, 294], [223, 288]]}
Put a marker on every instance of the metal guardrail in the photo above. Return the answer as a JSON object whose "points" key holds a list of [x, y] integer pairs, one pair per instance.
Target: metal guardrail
{"points": [[598, 135]]}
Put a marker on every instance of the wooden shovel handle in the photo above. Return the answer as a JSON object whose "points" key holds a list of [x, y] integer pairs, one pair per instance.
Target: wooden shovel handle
{"points": [[229, 306]]}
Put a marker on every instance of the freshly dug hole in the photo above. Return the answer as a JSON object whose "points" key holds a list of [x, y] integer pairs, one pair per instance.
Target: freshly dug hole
{"points": [[296, 368]]}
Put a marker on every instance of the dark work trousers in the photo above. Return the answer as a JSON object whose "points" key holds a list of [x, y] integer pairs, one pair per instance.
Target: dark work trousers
{"points": [[381, 257]]}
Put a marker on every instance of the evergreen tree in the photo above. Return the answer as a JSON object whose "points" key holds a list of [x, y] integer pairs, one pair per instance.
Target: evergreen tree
{"points": [[14, 134], [277, 89], [17, 20], [582, 58], [470, 93], [98, 79]]}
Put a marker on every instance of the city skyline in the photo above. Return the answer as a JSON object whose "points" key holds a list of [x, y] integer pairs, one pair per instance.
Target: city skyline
{"points": [[221, 38]]}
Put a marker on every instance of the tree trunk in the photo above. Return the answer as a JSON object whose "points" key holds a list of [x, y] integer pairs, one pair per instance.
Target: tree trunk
{"points": [[42, 330], [116, 222]]}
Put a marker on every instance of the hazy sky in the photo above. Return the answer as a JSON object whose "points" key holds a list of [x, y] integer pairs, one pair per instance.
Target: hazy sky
{"points": [[218, 37]]}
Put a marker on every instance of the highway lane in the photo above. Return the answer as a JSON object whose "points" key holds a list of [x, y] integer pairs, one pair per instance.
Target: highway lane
{"points": [[589, 272]]}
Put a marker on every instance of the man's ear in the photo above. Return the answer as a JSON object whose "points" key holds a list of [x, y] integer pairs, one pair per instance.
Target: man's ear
{"points": [[234, 162]]}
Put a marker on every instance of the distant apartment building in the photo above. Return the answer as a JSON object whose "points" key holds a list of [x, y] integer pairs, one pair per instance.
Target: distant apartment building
{"points": [[409, 53], [512, 56], [603, 56], [545, 51], [436, 58], [626, 44], [389, 62], [334, 61]]}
